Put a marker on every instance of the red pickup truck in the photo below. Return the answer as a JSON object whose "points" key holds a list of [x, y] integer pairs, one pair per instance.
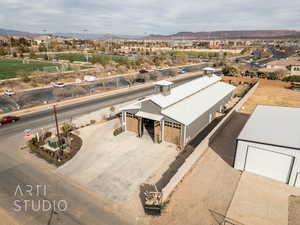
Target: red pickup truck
{"points": [[8, 119]]}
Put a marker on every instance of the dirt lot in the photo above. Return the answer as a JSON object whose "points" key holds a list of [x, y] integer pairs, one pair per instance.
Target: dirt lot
{"points": [[269, 92]]}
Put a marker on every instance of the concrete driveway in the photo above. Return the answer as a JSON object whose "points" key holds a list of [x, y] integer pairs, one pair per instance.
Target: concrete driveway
{"points": [[115, 167], [261, 201]]}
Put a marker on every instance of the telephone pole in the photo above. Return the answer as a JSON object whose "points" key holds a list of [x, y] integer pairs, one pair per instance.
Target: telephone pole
{"points": [[57, 129], [86, 45]]}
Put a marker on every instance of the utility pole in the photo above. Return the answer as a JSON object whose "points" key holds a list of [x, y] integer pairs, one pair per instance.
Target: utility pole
{"points": [[45, 31], [10, 44], [86, 47], [57, 129]]}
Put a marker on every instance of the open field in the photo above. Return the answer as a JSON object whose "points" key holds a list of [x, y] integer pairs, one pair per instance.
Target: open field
{"points": [[82, 57], [269, 92], [9, 67]]}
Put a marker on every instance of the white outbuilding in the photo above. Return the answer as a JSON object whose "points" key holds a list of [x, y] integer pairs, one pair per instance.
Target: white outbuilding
{"points": [[269, 144], [178, 114]]}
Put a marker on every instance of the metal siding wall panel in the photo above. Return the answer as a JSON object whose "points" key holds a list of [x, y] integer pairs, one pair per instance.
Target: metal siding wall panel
{"points": [[202, 121], [150, 107]]}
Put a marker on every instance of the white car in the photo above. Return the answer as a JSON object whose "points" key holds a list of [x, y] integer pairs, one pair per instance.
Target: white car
{"points": [[9, 92], [59, 85], [89, 78]]}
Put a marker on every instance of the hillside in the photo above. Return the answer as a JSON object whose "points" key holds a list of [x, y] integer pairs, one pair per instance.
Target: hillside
{"points": [[229, 35]]}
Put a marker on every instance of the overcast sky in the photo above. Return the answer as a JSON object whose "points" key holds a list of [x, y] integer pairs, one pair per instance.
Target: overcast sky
{"points": [[148, 16]]}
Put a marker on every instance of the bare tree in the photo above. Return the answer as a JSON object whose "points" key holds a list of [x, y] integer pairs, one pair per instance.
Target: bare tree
{"points": [[131, 79]]}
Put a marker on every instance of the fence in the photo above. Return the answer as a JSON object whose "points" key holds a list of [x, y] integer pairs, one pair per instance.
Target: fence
{"points": [[202, 147]]}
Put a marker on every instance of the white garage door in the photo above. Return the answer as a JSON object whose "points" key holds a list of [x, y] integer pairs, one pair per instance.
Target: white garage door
{"points": [[269, 164]]}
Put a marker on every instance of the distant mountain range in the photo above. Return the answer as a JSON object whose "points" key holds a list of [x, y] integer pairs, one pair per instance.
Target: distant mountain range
{"points": [[7, 32], [250, 34]]}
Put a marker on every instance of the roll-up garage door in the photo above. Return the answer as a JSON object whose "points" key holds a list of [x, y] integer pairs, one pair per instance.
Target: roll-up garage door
{"points": [[270, 164]]}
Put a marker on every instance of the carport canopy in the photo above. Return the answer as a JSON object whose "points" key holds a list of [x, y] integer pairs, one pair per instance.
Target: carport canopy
{"points": [[150, 116]]}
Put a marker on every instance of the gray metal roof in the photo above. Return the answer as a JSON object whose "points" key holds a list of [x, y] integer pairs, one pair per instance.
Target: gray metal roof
{"points": [[189, 109], [273, 125], [183, 91]]}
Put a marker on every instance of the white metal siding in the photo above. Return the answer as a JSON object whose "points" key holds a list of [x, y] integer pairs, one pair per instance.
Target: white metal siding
{"points": [[297, 183]]}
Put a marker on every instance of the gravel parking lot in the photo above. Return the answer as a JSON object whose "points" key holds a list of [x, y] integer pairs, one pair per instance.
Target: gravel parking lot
{"points": [[115, 167]]}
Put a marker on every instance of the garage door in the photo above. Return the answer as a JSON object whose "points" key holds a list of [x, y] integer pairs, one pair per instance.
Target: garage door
{"points": [[131, 122], [269, 164], [172, 132]]}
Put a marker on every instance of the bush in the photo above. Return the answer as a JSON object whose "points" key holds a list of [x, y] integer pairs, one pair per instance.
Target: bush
{"points": [[67, 128], [292, 79], [118, 131], [230, 71]]}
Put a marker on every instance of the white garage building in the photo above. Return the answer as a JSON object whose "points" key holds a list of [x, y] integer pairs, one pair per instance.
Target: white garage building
{"points": [[269, 144], [178, 114]]}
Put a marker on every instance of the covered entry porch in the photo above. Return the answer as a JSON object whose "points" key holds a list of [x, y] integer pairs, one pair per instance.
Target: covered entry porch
{"points": [[150, 123], [160, 130]]}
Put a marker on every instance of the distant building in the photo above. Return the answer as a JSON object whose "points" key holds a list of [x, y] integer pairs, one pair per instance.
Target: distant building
{"points": [[269, 144], [295, 70], [178, 114]]}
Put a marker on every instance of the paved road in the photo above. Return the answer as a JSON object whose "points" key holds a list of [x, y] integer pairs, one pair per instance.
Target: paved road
{"points": [[21, 168]]}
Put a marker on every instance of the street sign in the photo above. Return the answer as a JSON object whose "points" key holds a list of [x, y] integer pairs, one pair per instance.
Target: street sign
{"points": [[27, 132]]}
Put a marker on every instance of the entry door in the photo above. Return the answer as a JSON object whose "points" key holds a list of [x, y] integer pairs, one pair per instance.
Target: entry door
{"points": [[269, 164]]}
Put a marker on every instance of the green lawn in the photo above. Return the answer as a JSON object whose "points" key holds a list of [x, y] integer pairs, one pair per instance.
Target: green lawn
{"points": [[82, 57], [9, 67]]}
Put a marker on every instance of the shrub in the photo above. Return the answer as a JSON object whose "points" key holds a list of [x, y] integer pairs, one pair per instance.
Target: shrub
{"points": [[118, 131], [292, 79], [230, 71], [67, 128]]}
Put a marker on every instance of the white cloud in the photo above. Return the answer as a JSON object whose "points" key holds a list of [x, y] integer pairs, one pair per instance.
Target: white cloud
{"points": [[151, 16]]}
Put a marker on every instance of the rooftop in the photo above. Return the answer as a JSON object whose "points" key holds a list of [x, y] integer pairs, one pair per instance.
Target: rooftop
{"points": [[273, 125], [163, 83], [183, 91], [185, 111]]}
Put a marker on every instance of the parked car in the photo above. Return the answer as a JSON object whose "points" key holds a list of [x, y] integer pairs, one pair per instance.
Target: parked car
{"points": [[59, 85], [143, 71], [9, 92], [8, 119], [181, 71], [89, 78]]}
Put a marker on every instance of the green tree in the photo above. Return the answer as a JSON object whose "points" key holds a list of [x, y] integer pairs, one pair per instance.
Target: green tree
{"points": [[230, 71]]}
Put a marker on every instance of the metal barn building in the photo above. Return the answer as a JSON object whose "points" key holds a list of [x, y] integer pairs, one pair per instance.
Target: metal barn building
{"points": [[178, 114], [269, 144]]}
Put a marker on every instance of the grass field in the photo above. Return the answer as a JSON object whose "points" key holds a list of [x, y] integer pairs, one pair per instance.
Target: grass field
{"points": [[82, 57], [10, 67]]}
